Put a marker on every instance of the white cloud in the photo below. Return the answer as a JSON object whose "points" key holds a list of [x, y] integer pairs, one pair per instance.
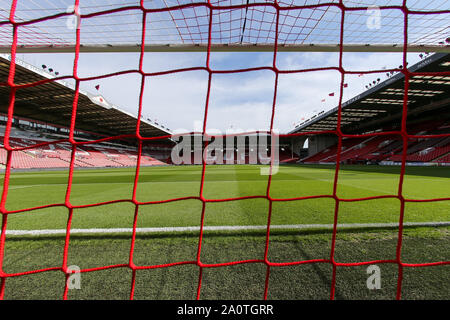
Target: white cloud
{"points": [[241, 100]]}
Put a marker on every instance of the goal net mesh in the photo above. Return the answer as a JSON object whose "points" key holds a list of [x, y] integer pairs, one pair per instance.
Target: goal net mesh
{"points": [[233, 22], [31, 24]]}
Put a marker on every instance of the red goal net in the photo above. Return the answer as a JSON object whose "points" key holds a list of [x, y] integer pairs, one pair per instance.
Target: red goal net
{"points": [[223, 25]]}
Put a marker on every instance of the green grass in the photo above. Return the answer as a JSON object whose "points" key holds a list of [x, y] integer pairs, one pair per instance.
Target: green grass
{"points": [[244, 281]]}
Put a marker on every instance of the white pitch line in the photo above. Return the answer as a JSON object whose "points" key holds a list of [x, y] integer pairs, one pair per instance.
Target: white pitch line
{"points": [[221, 228]]}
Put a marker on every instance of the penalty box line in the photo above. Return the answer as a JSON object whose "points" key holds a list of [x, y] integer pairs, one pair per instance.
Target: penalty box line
{"points": [[222, 228]]}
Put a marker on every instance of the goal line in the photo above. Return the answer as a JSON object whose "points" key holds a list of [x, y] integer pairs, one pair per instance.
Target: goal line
{"points": [[222, 228]]}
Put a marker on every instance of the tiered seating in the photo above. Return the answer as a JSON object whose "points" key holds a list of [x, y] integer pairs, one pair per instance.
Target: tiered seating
{"points": [[96, 158], [376, 148], [124, 158], [426, 150], [149, 161], [59, 155], [394, 146], [23, 160], [359, 151], [162, 155], [429, 155], [329, 154], [286, 156], [326, 153], [390, 148], [444, 159]]}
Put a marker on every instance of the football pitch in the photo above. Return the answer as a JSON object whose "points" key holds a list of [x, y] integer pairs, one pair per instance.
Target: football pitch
{"points": [[167, 211]]}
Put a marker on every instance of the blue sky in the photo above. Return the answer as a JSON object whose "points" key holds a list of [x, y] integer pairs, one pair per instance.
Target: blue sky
{"points": [[241, 100]]}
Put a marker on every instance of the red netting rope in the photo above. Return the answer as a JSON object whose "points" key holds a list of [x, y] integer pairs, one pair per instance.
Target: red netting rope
{"points": [[279, 8]]}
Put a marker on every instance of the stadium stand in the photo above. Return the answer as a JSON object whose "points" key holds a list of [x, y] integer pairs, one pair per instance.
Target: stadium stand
{"points": [[375, 118], [58, 155], [329, 154], [389, 148], [40, 126], [366, 113], [288, 156]]}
